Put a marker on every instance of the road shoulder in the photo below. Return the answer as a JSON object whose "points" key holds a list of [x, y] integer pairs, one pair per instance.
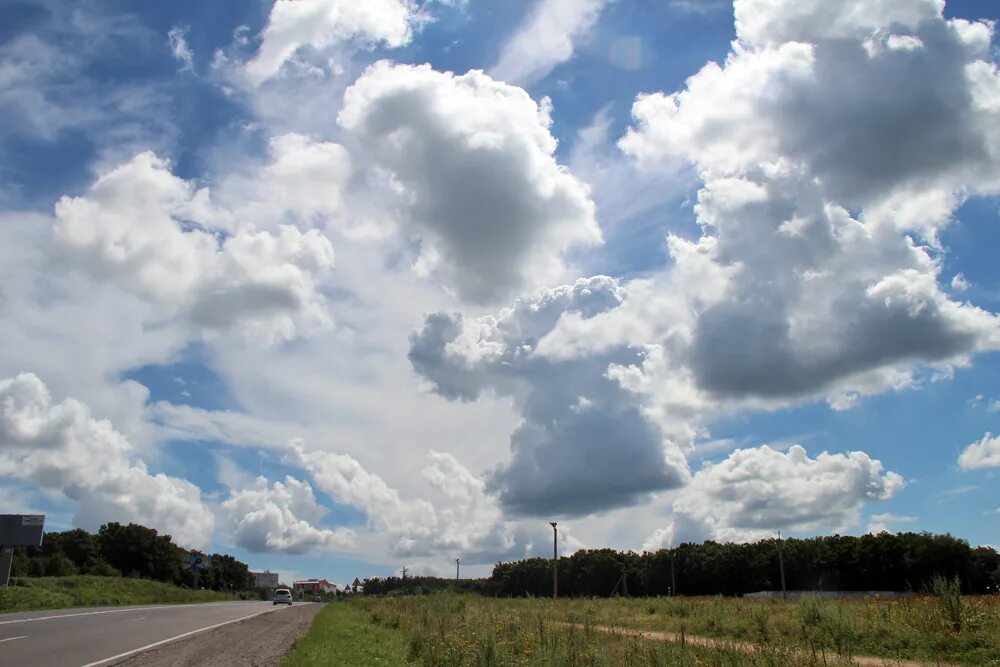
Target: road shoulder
{"points": [[261, 641]]}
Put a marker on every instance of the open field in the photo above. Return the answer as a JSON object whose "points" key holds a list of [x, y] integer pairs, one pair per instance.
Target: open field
{"points": [[448, 629], [30, 593]]}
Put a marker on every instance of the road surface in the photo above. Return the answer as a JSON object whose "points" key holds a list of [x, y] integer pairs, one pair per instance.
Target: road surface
{"points": [[96, 637]]}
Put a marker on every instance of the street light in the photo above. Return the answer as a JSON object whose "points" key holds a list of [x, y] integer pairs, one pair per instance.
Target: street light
{"points": [[456, 569], [555, 560]]}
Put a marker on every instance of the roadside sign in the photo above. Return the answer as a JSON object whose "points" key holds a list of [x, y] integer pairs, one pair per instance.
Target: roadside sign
{"points": [[17, 530], [21, 530], [198, 563]]}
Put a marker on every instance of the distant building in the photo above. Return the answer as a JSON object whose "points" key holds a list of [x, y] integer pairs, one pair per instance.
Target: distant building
{"points": [[266, 579], [314, 586]]}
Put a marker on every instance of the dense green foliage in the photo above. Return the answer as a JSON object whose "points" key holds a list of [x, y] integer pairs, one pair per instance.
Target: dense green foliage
{"points": [[901, 562], [30, 593], [343, 634], [131, 551]]}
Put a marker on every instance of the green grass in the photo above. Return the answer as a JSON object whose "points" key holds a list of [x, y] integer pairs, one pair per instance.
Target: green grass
{"points": [[445, 630], [31, 593], [344, 634], [914, 628]]}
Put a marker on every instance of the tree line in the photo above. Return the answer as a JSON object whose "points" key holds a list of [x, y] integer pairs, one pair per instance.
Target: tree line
{"points": [[884, 562], [422, 585], [125, 550]]}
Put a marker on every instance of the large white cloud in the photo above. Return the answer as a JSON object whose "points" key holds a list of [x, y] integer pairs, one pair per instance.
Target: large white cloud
{"points": [[468, 521], [827, 298], [817, 272], [296, 24], [61, 447], [834, 143], [871, 98], [766, 22], [755, 492], [301, 183], [347, 482], [473, 167], [982, 454], [282, 517], [139, 227], [580, 431], [546, 39]]}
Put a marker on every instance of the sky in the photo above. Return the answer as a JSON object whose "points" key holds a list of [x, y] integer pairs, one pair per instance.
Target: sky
{"points": [[342, 287]]}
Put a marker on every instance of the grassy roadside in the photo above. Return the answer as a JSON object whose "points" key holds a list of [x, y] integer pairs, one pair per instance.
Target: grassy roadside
{"points": [[32, 593], [344, 634], [448, 630]]}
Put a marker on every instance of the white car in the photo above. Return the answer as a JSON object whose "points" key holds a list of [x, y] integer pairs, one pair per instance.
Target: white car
{"points": [[282, 596]]}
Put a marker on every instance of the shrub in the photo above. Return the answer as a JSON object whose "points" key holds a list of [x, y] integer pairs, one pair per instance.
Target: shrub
{"points": [[949, 595]]}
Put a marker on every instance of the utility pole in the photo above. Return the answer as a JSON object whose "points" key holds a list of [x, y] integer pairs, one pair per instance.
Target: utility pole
{"points": [[673, 579], [781, 564], [555, 560], [456, 569], [404, 572]]}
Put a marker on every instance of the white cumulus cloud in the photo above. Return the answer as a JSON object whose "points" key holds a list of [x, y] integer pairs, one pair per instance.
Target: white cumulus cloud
{"points": [[297, 24], [472, 161], [755, 492], [605, 444], [282, 517], [138, 227], [811, 195], [60, 447], [982, 454], [880, 523], [347, 482]]}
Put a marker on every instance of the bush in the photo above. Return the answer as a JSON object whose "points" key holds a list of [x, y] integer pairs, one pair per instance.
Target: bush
{"points": [[59, 565], [949, 595], [101, 568], [810, 611]]}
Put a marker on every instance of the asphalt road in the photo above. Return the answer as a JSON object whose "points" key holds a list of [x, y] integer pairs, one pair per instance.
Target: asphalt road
{"points": [[102, 636]]}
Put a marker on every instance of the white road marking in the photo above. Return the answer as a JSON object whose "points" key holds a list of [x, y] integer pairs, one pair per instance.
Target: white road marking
{"points": [[106, 611], [175, 638], [133, 620], [10, 639]]}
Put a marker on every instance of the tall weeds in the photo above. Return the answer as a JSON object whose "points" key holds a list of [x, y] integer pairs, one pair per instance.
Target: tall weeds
{"points": [[949, 595]]}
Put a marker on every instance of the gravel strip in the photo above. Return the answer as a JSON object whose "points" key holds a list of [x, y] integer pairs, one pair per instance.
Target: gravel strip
{"points": [[261, 641]]}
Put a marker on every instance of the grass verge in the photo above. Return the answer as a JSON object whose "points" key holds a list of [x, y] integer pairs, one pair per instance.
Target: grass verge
{"points": [[344, 634], [32, 593], [447, 630]]}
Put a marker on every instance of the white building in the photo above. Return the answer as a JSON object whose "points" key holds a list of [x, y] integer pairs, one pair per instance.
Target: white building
{"points": [[314, 586]]}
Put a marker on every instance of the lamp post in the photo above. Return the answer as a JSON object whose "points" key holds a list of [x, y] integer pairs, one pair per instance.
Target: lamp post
{"points": [[781, 564], [555, 560], [673, 580]]}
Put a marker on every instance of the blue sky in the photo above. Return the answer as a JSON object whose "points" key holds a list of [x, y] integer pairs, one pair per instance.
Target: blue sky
{"points": [[339, 290]]}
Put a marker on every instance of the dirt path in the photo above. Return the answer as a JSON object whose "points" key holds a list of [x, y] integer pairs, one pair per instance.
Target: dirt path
{"points": [[748, 647], [261, 641]]}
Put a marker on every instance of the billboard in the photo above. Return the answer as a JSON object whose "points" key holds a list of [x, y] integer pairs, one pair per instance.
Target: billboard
{"points": [[197, 563], [265, 579], [21, 530]]}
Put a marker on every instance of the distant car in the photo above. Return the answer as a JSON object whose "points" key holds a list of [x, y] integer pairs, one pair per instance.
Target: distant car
{"points": [[282, 596]]}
